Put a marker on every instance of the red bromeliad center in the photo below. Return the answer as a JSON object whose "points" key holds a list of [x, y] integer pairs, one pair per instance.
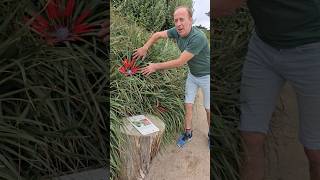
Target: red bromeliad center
{"points": [[128, 67], [62, 33], [129, 72]]}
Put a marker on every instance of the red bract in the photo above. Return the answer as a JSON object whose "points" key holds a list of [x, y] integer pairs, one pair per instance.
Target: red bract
{"points": [[160, 108], [59, 26], [128, 67]]}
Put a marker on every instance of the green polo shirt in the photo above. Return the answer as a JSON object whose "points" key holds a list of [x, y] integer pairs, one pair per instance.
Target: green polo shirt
{"points": [[196, 43], [286, 23]]}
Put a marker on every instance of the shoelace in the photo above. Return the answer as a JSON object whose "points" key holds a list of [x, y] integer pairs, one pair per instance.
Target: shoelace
{"points": [[186, 136]]}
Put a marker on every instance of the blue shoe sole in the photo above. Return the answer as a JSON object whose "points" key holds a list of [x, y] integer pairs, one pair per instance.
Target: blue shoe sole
{"points": [[180, 145]]}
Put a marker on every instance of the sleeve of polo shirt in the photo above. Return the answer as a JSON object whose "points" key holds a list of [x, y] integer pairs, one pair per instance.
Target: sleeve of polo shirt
{"points": [[172, 33], [196, 44]]}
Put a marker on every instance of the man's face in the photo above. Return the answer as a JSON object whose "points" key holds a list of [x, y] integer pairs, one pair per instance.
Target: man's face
{"points": [[182, 21]]}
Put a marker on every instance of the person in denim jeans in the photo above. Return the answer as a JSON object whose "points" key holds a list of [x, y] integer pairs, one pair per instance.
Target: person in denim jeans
{"points": [[284, 46], [195, 52]]}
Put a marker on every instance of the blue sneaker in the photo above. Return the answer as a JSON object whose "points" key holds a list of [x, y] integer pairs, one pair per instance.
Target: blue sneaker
{"points": [[184, 138]]}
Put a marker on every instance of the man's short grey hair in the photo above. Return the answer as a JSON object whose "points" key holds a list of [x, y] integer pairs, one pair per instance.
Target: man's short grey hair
{"points": [[185, 7]]}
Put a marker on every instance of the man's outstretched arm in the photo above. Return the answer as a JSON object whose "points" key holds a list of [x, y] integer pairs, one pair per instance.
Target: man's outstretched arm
{"points": [[223, 8], [184, 57], [142, 52]]}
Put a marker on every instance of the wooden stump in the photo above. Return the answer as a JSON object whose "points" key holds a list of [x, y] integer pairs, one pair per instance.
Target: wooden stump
{"points": [[138, 152]]}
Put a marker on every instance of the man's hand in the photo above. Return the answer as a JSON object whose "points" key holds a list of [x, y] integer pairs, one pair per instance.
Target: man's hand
{"points": [[140, 52], [104, 33], [151, 68]]}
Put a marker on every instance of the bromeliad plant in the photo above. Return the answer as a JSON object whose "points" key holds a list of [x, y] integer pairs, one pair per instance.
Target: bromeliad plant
{"points": [[63, 22], [129, 67]]}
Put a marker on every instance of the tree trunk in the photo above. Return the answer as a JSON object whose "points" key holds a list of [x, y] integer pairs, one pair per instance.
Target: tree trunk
{"points": [[139, 150]]}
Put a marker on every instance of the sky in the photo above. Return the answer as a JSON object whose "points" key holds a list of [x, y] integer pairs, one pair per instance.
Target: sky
{"points": [[201, 7]]}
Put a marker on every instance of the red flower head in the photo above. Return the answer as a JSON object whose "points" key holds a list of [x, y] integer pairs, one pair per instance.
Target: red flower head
{"points": [[128, 67], [59, 25]]}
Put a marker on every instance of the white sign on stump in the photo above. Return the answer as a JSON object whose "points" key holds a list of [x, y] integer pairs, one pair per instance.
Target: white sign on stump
{"points": [[143, 124]]}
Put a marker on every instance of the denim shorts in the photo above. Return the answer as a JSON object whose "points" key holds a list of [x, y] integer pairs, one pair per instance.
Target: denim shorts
{"points": [[192, 85], [265, 71]]}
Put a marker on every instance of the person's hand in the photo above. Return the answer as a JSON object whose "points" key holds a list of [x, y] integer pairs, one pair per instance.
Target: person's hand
{"points": [[104, 33], [151, 68], [140, 52]]}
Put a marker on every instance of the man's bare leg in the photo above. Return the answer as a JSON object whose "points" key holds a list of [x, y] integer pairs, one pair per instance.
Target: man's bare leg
{"points": [[314, 163], [188, 116], [253, 166]]}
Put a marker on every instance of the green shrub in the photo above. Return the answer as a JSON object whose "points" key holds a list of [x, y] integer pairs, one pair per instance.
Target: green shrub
{"points": [[152, 15]]}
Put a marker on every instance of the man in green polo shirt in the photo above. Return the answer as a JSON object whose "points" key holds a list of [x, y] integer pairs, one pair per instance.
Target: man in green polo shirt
{"points": [[195, 51], [285, 46]]}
